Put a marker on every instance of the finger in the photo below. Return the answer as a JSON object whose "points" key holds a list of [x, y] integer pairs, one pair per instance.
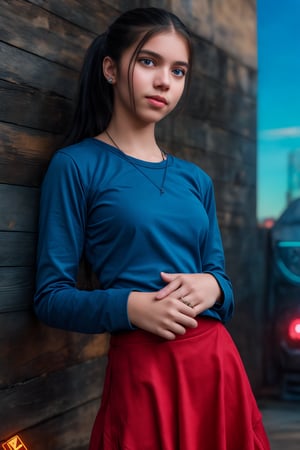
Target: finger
{"points": [[166, 334], [168, 276], [170, 330], [168, 289], [178, 328], [187, 300], [188, 322], [198, 309], [187, 303], [186, 309]]}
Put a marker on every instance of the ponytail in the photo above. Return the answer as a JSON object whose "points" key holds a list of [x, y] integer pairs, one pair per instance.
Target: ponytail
{"points": [[95, 95]]}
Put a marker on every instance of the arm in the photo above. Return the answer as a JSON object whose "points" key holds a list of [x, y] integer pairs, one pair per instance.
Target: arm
{"points": [[213, 259], [62, 224]]}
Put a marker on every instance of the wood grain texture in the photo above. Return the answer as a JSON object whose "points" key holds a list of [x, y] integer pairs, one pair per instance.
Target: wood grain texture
{"points": [[67, 431], [17, 249], [88, 15], [28, 107], [36, 72], [25, 154], [222, 107], [35, 349], [215, 63], [49, 395], [16, 288], [19, 208], [229, 25], [34, 24], [234, 29]]}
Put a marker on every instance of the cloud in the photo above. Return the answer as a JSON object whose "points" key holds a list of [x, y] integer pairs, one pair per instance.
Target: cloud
{"points": [[280, 133]]}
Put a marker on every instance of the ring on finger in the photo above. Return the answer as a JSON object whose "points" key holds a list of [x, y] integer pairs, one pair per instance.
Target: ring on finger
{"points": [[186, 302]]}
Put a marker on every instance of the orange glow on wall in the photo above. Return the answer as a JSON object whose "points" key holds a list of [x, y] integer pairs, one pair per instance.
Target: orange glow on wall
{"points": [[14, 443]]}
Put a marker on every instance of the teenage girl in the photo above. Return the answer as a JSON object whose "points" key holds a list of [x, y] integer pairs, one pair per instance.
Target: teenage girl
{"points": [[146, 223]]}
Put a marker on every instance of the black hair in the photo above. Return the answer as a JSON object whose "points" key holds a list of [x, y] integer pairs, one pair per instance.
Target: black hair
{"points": [[94, 105]]}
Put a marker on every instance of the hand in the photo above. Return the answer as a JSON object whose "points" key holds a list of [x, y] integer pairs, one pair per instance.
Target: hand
{"points": [[165, 318], [199, 290]]}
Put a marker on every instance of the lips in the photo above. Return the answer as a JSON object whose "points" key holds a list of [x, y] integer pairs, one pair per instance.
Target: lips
{"points": [[157, 98]]}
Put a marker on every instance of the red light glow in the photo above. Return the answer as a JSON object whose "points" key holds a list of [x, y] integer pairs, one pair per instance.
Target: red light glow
{"points": [[294, 330]]}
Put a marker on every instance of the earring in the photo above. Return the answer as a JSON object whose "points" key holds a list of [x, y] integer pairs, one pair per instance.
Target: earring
{"points": [[109, 80]]}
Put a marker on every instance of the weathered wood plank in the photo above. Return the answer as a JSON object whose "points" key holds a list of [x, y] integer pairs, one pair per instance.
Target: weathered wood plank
{"points": [[221, 107], [205, 139], [19, 208], [234, 29], [181, 132], [52, 394], [22, 170], [211, 61], [16, 288], [43, 33], [17, 249], [235, 205], [43, 111], [37, 72], [24, 154], [29, 349], [229, 25], [89, 15], [223, 169], [211, 109], [215, 63], [67, 431]]}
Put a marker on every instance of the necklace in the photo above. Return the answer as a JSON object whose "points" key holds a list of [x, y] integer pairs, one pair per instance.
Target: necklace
{"points": [[126, 158]]}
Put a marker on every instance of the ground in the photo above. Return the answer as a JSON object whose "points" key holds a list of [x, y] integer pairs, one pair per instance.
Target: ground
{"points": [[282, 422]]}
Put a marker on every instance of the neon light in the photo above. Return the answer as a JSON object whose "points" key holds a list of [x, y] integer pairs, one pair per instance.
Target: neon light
{"points": [[294, 330], [14, 443], [288, 244], [288, 273]]}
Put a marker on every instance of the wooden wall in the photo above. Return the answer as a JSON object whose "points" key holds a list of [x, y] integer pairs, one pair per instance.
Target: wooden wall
{"points": [[51, 380]]}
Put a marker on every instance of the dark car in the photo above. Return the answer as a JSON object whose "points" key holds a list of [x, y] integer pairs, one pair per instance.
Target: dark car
{"points": [[284, 299]]}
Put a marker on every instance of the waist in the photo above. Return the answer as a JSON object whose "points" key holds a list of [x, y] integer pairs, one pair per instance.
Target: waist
{"points": [[136, 337]]}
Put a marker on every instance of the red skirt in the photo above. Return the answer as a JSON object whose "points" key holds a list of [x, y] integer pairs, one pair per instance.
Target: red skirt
{"points": [[188, 394]]}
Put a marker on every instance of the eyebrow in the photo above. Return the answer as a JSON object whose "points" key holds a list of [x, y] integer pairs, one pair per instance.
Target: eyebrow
{"points": [[158, 56]]}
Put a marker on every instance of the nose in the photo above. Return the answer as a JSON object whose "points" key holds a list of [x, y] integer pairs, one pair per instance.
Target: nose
{"points": [[162, 79]]}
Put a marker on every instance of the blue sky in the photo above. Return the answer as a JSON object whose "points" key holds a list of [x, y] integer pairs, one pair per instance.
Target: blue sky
{"points": [[278, 25]]}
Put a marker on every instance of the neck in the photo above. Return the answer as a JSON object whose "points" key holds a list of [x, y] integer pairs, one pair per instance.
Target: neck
{"points": [[138, 142]]}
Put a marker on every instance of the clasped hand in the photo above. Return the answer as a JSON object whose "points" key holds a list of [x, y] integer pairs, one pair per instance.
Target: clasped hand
{"points": [[173, 309]]}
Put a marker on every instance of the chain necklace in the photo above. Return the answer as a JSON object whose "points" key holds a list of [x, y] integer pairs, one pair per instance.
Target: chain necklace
{"points": [[164, 158]]}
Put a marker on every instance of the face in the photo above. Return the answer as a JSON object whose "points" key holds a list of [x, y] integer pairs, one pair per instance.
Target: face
{"points": [[158, 78]]}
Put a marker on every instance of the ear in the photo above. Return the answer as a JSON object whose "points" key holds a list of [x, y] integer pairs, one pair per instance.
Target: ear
{"points": [[109, 69]]}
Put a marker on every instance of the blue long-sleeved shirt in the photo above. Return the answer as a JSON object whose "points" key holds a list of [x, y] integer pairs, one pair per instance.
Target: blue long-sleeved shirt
{"points": [[95, 200]]}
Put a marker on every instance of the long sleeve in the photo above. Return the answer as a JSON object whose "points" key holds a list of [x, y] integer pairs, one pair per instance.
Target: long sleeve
{"points": [[213, 258], [62, 226]]}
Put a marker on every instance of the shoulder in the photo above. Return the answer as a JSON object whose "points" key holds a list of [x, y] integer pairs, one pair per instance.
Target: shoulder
{"points": [[73, 165], [80, 153], [195, 171], [81, 159]]}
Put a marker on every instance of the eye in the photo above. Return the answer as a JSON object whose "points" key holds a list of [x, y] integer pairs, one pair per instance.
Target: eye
{"points": [[179, 72], [146, 62]]}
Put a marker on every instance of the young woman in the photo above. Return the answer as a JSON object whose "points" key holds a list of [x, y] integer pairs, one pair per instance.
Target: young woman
{"points": [[146, 223]]}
